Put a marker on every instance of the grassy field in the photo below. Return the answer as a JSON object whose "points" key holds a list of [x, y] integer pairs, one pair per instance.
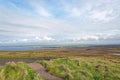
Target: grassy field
{"points": [[78, 63], [84, 68], [18, 71], [62, 52]]}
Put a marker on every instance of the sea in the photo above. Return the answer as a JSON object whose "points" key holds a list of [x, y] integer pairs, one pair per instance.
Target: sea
{"points": [[40, 47], [36, 47]]}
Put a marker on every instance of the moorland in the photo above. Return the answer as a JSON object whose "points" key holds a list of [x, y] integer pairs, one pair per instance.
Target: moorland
{"points": [[67, 63]]}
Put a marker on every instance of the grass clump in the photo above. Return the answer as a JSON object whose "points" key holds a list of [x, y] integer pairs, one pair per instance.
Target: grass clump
{"points": [[83, 68], [18, 71]]}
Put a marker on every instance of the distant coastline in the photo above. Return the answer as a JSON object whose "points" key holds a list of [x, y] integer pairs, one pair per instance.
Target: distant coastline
{"points": [[42, 47]]}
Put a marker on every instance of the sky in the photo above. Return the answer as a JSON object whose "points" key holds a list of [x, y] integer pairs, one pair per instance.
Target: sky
{"points": [[29, 21]]}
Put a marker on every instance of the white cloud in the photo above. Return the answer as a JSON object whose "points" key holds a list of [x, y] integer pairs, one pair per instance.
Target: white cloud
{"points": [[74, 12], [103, 10], [102, 15], [106, 35], [33, 26], [38, 39], [19, 41], [110, 1], [72, 9], [44, 39], [86, 38], [24, 40], [31, 40], [70, 20], [88, 7], [40, 9]]}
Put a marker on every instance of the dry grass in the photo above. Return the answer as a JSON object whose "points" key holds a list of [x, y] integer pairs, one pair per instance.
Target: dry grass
{"points": [[62, 52]]}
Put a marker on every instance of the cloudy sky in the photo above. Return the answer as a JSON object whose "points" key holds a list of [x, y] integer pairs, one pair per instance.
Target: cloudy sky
{"points": [[27, 21]]}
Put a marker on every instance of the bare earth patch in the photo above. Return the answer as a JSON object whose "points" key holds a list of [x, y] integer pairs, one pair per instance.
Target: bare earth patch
{"points": [[39, 69]]}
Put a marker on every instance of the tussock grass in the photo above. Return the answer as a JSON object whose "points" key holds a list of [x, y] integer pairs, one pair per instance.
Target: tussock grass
{"points": [[84, 68], [18, 71]]}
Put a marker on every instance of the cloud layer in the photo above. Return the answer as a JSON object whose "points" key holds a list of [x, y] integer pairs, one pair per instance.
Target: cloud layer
{"points": [[63, 20]]}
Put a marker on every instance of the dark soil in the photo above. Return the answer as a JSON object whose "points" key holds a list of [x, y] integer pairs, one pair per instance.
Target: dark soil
{"points": [[3, 61]]}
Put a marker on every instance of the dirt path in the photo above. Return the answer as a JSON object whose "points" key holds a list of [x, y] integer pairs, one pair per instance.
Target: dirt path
{"points": [[3, 61], [39, 69]]}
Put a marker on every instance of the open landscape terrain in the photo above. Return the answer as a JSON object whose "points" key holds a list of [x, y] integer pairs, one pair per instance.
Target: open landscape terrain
{"points": [[59, 39], [62, 63]]}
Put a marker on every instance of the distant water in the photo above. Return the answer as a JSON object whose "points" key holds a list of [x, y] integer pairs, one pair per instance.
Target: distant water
{"points": [[16, 48], [36, 47], [40, 47]]}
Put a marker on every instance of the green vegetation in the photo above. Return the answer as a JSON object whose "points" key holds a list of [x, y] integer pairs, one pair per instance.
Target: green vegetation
{"points": [[61, 52], [85, 63], [84, 68], [18, 71]]}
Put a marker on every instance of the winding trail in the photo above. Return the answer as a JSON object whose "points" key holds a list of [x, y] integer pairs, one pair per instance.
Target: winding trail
{"points": [[39, 69]]}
